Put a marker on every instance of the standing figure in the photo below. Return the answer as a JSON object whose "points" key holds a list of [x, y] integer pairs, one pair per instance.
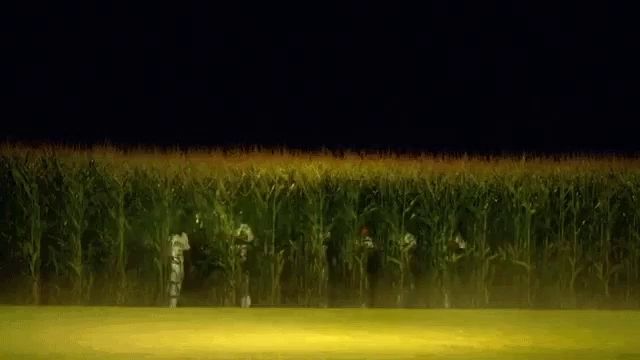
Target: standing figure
{"points": [[455, 250], [365, 249], [178, 243], [244, 238], [373, 265]]}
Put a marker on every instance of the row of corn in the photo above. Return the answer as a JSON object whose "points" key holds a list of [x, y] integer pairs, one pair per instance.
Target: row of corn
{"points": [[90, 226]]}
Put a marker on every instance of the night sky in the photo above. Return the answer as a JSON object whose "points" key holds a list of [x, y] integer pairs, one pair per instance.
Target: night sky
{"points": [[474, 76]]}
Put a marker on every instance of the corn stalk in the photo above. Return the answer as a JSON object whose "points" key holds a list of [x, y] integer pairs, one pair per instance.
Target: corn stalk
{"points": [[438, 215], [520, 252], [317, 232], [226, 220], [479, 204], [269, 195], [632, 261], [576, 255], [358, 243], [76, 181], [603, 263], [398, 211], [164, 211], [118, 189], [26, 175]]}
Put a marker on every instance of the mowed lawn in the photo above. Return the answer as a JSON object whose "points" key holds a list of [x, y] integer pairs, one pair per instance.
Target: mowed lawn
{"points": [[260, 333]]}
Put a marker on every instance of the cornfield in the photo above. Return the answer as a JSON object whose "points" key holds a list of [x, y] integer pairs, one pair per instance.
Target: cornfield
{"points": [[89, 226]]}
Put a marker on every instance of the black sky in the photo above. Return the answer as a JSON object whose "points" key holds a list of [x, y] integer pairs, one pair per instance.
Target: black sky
{"points": [[445, 75]]}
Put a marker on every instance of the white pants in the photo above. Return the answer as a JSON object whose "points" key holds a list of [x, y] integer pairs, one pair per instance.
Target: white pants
{"points": [[245, 300], [175, 280]]}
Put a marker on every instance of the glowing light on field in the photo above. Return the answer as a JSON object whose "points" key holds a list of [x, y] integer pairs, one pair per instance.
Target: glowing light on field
{"points": [[162, 338], [141, 333]]}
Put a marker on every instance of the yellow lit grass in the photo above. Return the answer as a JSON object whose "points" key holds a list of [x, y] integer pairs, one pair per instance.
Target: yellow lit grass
{"points": [[119, 333]]}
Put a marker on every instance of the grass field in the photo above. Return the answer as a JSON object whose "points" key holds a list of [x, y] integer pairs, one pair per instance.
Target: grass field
{"points": [[216, 333]]}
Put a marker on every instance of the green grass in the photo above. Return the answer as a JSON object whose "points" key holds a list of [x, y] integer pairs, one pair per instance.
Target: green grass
{"points": [[199, 333]]}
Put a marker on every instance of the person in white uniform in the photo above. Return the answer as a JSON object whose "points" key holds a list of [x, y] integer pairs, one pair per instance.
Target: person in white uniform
{"points": [[178, 243], [244, 239]]}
